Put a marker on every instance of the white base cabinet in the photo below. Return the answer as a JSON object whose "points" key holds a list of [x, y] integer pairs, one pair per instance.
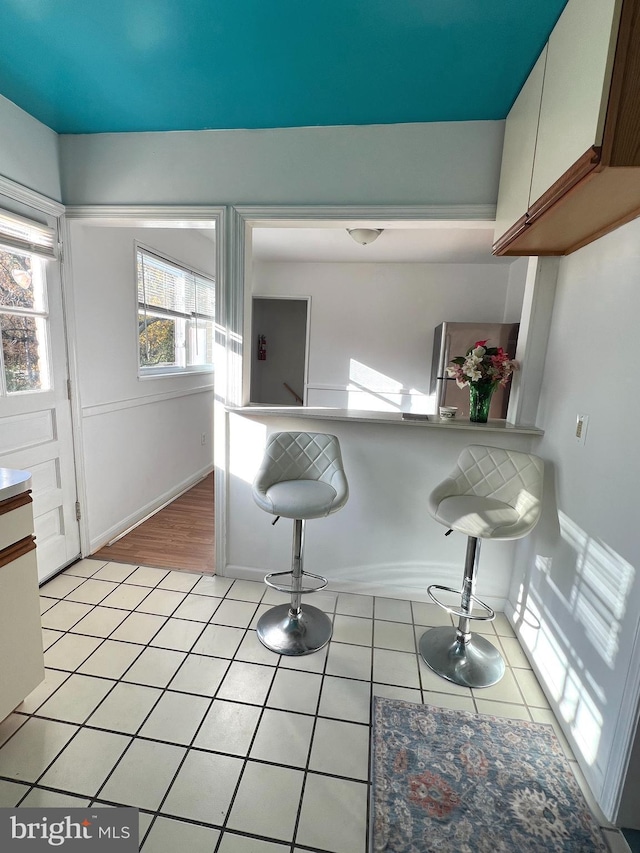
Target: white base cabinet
{"points": [[21, 655]]}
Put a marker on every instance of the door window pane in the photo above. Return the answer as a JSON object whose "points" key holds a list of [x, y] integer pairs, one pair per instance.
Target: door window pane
{"points": [[23, 323], [24, 353], [17, 280]]}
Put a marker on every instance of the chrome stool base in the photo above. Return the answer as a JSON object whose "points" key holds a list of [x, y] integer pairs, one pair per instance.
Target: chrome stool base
{"points": [[475, 663], [280, 630]]}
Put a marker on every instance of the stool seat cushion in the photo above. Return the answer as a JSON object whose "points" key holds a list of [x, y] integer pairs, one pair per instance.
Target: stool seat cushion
{"points": [[298, 499], [475, 516], [492, 493], [301, 476]]}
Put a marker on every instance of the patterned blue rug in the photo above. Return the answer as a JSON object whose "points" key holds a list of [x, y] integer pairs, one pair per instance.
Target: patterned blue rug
{"points": [[455, 782]]}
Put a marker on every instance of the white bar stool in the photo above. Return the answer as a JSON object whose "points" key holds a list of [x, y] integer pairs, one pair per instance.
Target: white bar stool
{"points": [[301, 477], [491, 494]]}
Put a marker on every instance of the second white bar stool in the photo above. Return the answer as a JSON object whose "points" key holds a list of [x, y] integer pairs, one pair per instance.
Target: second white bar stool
{"points": [[491, 494]]}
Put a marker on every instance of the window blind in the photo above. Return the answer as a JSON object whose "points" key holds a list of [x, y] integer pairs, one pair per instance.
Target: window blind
{"points": [[173, 290], [27, 236]]}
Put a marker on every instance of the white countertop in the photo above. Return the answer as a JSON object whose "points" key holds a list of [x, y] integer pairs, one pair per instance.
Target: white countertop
{"points": [[13, 483], [393, 418]]}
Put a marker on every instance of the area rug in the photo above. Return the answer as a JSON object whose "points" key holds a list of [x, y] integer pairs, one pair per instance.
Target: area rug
{"points": [[456, 782]]}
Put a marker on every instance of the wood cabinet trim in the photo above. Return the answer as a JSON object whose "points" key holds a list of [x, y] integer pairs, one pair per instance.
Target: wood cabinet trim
{"points": [[509, 236], [605, 199], [16, 501], [621, 140], [18, 549], [571, 178]]}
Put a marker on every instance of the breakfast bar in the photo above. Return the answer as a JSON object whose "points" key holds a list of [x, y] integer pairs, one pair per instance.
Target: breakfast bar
{"points": [[383, 541]]}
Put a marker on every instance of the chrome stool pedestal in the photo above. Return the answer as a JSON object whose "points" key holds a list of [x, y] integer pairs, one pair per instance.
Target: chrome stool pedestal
{"points": [[454, 653], [288, 629]]}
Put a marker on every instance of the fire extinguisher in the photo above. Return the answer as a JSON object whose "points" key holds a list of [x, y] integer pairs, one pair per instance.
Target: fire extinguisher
{"points": [[262, 348]]}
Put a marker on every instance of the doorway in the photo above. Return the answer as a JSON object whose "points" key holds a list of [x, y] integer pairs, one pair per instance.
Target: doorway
{"points": [[144, 424], [279, 352]]}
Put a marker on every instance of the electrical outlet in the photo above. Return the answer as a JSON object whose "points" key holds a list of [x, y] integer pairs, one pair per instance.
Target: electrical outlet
{"points": [[582, 422], [203, 438]]}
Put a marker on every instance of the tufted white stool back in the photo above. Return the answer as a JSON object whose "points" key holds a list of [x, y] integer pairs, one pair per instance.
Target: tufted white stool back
{"points": [[494, 476], [292, 457]]}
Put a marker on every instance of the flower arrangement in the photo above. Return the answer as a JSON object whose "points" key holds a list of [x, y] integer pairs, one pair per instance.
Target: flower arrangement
{"points": [[481, 363]]}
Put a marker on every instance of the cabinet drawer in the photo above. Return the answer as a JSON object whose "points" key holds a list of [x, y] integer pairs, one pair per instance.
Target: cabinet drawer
{"points": [[15, 525]]}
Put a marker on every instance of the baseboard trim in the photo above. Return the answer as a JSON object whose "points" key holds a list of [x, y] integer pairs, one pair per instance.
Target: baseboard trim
{"points": [[384, 590], [117, 531]]}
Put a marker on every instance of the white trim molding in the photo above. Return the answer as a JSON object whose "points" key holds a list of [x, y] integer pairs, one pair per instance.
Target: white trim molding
{"points": [[144, 400], [353, 215], [149, 216], [31, 198]]}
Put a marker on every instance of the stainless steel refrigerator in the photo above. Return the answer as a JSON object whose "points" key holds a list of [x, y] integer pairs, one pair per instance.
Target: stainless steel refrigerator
{"points": [[453, 339]]}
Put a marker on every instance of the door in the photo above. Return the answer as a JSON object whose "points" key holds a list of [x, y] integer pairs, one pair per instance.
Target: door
{"points": [[279, 356], [35, 412]]}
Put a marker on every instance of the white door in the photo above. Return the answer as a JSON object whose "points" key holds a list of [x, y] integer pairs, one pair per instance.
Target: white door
{"points": [[35, 412]]}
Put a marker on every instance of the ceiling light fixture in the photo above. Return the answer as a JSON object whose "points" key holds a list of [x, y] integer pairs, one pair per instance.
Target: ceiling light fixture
{"points": [[365, 235]]}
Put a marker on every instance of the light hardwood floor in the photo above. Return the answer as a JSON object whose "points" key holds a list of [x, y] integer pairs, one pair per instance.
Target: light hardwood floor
{"points": [[180, 536]]}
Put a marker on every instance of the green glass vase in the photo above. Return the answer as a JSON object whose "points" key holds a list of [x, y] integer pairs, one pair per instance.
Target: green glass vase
{"points": [[480, 394]]}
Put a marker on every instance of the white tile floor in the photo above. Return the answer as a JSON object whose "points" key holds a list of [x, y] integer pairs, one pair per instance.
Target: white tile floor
{"points": [[159, 695]]}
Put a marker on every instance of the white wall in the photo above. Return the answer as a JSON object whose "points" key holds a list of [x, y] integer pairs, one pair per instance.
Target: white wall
{"points": [[371, 330], [141, 437], [438, 163], [28, 151], [576, 590]]}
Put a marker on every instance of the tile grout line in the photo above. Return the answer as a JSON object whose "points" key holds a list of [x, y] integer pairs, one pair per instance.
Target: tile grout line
{"points": [[423, 692]]}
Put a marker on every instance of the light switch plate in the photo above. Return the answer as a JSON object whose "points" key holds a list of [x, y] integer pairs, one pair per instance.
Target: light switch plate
{"points": [[582, 422]]}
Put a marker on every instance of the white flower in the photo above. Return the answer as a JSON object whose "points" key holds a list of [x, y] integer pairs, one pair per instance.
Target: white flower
{"points": [[461, 383], [478, 352], [473, 374]]}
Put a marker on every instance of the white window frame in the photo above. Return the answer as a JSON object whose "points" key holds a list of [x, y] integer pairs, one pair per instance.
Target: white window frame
{"points": [[24, 236], [149, 372]]}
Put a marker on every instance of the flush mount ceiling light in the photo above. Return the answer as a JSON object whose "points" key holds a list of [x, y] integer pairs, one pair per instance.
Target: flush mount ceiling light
{"points": [[365, 235]]}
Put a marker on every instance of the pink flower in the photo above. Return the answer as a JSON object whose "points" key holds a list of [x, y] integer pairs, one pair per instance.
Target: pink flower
{"points": [[482, 364]]}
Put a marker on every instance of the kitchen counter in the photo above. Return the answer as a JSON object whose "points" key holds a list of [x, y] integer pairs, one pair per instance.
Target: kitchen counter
{"points": [[13, 483], [390, 418]]}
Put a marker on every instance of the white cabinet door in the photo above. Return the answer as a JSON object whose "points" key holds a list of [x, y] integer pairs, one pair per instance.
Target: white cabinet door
{"points": [[518, 151], [576, 85]]}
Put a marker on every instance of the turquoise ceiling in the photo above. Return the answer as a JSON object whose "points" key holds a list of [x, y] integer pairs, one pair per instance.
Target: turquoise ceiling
{"points": [[89, 66]]}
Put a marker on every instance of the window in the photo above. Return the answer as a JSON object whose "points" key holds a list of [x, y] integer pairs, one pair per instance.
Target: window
{"points": [[176, 313], [24, 319]]}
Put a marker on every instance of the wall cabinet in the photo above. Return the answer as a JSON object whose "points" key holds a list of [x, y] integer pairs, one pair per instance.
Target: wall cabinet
{"points": [[571, 159], [21, 656]]}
